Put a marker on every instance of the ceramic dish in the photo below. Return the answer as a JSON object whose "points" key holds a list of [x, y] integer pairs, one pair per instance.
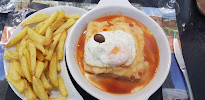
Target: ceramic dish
{"points": [[119, 7]]}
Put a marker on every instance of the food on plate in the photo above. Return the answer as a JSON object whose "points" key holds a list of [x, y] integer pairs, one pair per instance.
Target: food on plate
{"points": [[61, 87], [32, 51], [35, 64], [40, 90], [29, 93], [53, 71], [16, 39], [66, 25], [35, 19], [19, 85], [48, 22], [76, 16], [12, 54], [117, 54]]}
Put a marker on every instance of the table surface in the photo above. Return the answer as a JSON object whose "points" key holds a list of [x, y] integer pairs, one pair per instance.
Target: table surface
{"points": [[191, 25]]}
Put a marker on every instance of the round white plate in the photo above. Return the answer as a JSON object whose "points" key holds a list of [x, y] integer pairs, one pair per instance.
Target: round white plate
{"points": [[72, 92]]}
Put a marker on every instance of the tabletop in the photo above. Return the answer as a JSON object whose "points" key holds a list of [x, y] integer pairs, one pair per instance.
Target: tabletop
{"points": [[191, 25]]}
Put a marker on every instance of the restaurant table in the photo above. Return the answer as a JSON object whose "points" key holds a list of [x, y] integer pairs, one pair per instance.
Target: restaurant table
{"points": [[191, 25]]}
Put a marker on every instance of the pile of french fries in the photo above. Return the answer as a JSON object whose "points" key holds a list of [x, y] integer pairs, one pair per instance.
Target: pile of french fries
{"points": [[35, 64]]}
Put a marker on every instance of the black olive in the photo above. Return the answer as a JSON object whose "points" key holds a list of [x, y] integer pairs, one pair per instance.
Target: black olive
{"points": [[99, 38]]}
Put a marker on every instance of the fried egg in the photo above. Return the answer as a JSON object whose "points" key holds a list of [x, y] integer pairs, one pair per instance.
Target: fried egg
{"points": [[118, 49]]}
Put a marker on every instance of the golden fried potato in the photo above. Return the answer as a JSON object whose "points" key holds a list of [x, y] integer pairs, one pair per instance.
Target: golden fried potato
{"points": [[49, 21], [46, 51], [38, 27], [17, 47], [49, 33], [12, 73], [58, 66], [46, 84], [45, 64], [52, 46], [18, 67], [17, 38], [76, 16], [61, 15], [53, 71], [32, 51], [39, 89], [60, 46], [29, 93], [39, 55], [57, 24], [57, 98], [12, 54], [65, 26], [21, 47], [39, 46], [27, 54], [25, 68], [61, 87], [7, 57], [19, 85], [39, 68], [37, 37], [35, 19]]}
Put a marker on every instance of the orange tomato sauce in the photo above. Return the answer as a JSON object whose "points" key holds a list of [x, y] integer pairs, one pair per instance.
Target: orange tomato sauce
{"points": [[119, 85]]}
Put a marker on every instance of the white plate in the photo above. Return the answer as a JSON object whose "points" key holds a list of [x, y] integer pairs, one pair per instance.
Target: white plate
{"points": [[73, 94]]}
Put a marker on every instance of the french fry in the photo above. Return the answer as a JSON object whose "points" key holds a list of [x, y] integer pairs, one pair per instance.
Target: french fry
{"points": [[58, 66], [37, 37], [61, 15], [52, 46], [35, 89], [57, 24], [46, 84], [27, 54], [39, 68], [12, 73], [49, 33], [35, 19], [42, 94], [17, 47], [60, 46], [76, 16], [65, 26], [21, 47], [12, 54], [46, 72], [58, 98], [32, 51], [61, 87], [39, 55], [53, 71], [25, 68], [19, 85], [17, 38], [45, 64], [49, 21], [18, 67], [29, 93], [39, 46], [7, 57], [38, 27], [46, 51]]}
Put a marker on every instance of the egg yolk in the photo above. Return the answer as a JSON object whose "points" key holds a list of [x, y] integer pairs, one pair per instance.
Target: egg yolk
{"points": [[115, 50]]}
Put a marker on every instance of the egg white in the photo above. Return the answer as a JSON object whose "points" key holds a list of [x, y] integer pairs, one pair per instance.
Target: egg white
{"points": [[98, 54]]}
